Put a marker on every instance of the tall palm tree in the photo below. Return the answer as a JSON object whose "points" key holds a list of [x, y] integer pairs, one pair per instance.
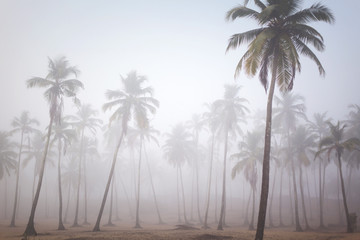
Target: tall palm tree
{"points": [[336, 142], [134, 101], [83, 121], [57, 86], [63, 136], [196, 124], [320, 128], [231, 111], [250, 153], [178, 149], [276, 46], [23, 125], [144, 132]]}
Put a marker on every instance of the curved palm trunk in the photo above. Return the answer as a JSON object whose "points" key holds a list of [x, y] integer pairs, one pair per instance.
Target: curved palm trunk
{"points": [[97, 224], [110, 224], [12, 224], [137, 221], [349, 228], [60, 225], [30, 229], [183, 195], [76, 224], [307, 226], [153, 188], [266, 161], [297, 221], [271, 223], [223, 198], [209, 184]]}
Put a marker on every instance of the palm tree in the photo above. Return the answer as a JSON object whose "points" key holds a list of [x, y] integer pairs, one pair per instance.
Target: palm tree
{"points": [[64, 136], [135, 101], [57, 86], [144, 132], [7, 160], [178, 149], [196, 124], [83, 121], [24, 126], [231, 110], [336, 142], [283, 35], [249, 154], [320, 128]]}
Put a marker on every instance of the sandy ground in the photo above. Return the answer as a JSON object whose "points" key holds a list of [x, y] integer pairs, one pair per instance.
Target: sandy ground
{"points": [[122, 230]]}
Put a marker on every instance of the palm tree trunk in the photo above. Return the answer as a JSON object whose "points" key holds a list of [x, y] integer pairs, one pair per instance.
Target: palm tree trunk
{"points": [[76, 224], [266, 162], [117, 218], [12, 224], [183, 195], [30, 229], [137, 221], [246, 220], [291, 202], [271, 223], [209, 184], [197, 180], [85, 196], [281, 224], [111, 204], [61, 225], [223, 198], [322, 226], [251, 225], [307, 226], [178, 195], [67, 203], [349, 225], [97, 224], [297, 220], [153, 188], [309, 195], [127, 198]]}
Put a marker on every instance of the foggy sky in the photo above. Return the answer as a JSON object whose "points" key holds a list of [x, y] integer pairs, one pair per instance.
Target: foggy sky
{"points": [[179, 45]]}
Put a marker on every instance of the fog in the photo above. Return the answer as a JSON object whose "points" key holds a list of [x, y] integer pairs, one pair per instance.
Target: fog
{"points": [[179, 48]]}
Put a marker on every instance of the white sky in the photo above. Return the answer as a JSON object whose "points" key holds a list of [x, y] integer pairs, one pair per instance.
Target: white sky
{"points": [[179, 45]]}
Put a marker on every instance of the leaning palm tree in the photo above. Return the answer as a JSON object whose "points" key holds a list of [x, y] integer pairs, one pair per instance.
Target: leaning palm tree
{"points": [[231, 111], [24, 125], [135, 101], [178, 149], [275, 47], [57, 86], [336, 142], [83, 121], [63, 136]]}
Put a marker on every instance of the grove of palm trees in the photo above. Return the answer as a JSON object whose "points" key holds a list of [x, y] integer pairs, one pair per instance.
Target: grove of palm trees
{"points": [[179, 120]]}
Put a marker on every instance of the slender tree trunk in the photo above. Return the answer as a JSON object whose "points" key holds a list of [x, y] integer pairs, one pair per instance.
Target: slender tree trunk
{"points": [[137, 221], [97, 224], [67, 203], [223, 198], [30, 229], [178, 194], [192, 197], [291, 202], [197, 179], [251, 225], [246, 220], [117, 218], [12, 224], [348, 192], [76, 224], [307, 226], [349, 228], [153, 188], [127, 198], [297, 221], [271, 223], [183, 195], [205, 226], [110, 224], [309, 195], [281, 224], [322, 226], [216, 198], [85, 196], [266, 161], [60, 225]]}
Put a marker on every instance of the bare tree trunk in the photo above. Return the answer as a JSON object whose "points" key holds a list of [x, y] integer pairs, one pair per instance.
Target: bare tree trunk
{"points": [[117, 218], [309, 195], [67, 203], [85, 196], [307, 226], [223, 198], [291, 202], [12, 224], [280, 198], [61, 225], [76, 224], [246, 220], [97, 224], [271, 223], [266, 161], [349, 228], [251, 225], [178, 195], [205, 226], [183, 195], [322, 226], [297, 221], [110, 224], [30, 229], [137, 221]]}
